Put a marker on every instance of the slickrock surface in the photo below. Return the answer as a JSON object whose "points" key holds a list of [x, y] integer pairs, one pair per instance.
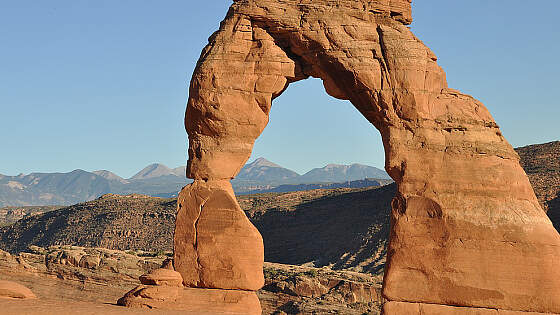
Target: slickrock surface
{"points": [[76, 307], [13, 290], [95, 265], [64, 287], [465, 218]]}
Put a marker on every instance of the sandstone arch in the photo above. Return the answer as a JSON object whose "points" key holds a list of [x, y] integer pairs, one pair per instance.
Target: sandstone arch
{"points": [[466, 230]]}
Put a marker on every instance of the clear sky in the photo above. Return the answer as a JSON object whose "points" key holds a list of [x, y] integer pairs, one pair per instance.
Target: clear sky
{"points": [[102, 84]]}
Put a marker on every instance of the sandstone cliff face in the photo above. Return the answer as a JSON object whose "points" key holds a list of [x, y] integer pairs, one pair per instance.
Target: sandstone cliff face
{"points": [[465, 219]]}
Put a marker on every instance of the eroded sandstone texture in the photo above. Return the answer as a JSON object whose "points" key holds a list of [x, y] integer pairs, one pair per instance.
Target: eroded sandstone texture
{"points": [[466, 230], [215, 245]]}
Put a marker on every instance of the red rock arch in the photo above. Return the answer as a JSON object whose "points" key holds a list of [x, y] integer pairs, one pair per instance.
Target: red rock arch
{"points": [[466, 230]]}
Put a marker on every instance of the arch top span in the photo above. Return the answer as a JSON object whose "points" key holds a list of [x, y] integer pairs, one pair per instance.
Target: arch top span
{"points": [[398, 10], [465, 220], [365, 56]]}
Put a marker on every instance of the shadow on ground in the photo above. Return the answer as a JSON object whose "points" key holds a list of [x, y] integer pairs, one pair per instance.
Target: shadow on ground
{"points": [[348, 230], [554, 212]]}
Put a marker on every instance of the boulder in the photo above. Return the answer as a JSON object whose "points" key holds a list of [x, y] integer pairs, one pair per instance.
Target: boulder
{"points": [[162, 277], [89, 261], [193, 300]]}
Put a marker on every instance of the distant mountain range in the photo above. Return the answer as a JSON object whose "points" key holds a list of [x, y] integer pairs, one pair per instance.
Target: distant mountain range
{"points": [[339, 173], [150, 171], [51, 188], [263, 171], [159, 170], [159, 180], [262, 175]]}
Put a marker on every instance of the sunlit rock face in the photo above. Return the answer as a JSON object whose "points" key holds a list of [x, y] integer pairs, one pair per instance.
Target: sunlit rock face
{"points": [[467, 229]]}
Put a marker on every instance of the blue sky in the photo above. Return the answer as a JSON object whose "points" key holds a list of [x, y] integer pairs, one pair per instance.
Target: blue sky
{"points": [[103, 84]]}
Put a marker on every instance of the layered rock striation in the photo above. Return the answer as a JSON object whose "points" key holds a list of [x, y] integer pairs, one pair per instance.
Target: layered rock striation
{"points": [[465, 220]]}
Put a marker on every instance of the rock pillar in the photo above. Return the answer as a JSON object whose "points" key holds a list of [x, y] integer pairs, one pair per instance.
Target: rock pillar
{"points": [[215, 245]]}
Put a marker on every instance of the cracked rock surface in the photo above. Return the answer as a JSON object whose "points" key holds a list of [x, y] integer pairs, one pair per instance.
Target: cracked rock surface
{"points": [[216, 246]]}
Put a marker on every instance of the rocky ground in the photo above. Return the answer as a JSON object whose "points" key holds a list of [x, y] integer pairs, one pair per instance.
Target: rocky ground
{"points": [[98, 277]]}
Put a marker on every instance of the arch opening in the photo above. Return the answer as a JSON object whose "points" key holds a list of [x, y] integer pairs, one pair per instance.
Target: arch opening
{"points": [[340, 229], [309, 129]]}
